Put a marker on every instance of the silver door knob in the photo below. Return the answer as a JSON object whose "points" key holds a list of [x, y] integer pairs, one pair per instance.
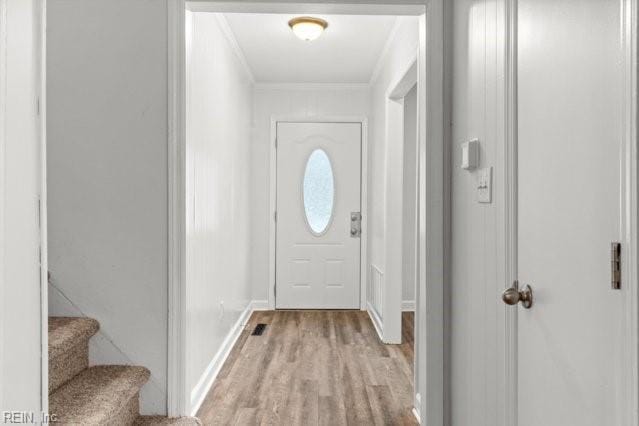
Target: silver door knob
{"points": [[513, 295]]}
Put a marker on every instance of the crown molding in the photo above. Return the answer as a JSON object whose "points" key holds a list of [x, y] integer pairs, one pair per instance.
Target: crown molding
{"points": [[230, 38], [311, 86], [382, 56]]}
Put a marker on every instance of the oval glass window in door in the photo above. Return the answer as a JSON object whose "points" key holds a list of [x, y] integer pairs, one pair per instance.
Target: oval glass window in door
{"points": [[319, 191]]}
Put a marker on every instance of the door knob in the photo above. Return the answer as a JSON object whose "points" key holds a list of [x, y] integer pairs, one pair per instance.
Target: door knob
{"points": [[513, 295]]}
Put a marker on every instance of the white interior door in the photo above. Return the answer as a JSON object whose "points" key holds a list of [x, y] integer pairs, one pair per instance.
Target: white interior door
{"points": [[569, 153], [318, 203]]}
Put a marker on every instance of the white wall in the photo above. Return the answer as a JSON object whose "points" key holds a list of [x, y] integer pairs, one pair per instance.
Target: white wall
{"points": [[20, 188], [298, 101], [218, 211], [409, 219], [476, 272], [384, 292], [399, 55], [107, 177]]}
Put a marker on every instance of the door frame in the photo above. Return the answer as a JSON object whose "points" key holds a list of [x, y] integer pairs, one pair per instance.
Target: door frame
{"points": [[390, 328], [41, 6], [363, 253], [39, 121], [3, 109], [433, 191], [510, 403], [628, 358], [628, 368]]}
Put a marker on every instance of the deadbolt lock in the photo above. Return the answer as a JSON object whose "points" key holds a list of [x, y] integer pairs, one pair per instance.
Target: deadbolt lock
{"points": [[513, 295], [356, 224]]}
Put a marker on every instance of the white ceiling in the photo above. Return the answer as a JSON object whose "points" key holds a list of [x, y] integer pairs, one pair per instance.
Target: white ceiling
{"points": [[347, 52]]}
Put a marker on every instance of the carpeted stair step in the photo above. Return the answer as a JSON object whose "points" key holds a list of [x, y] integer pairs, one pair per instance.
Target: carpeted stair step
{"points": [[100, 395], [162, 421], [68, 348]]}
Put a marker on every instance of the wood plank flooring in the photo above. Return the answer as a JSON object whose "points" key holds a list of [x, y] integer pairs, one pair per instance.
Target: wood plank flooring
{"points": [[314, 368]]}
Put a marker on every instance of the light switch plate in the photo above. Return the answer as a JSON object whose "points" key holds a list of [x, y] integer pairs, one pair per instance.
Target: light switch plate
{"points": [[485, 185]]}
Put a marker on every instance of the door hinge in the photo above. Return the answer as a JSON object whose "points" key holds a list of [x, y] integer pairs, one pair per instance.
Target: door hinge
{"points": [[275, 215], [275, 143], [615, 265]]}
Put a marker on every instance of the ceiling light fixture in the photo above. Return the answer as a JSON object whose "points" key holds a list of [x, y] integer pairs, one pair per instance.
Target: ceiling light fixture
{"points": [[307, 28]]}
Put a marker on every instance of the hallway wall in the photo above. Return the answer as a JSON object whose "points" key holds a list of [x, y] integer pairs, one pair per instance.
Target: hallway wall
{"points": [[107, 177], [287, 100], [409, 219], [384, 286], [477, 277], [399, 55], [218, 188]]}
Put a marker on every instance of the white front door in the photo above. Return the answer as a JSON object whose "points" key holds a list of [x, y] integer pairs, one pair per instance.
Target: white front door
{"points": [[318, 203], [569, 176]]}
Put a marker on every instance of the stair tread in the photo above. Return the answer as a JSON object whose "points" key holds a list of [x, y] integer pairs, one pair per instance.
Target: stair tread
{"points": [[169, 421], [66, 332], [97, 394]]}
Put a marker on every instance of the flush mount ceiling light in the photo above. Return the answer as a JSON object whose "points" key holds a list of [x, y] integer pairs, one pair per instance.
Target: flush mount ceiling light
{"points": [[307, 28]]}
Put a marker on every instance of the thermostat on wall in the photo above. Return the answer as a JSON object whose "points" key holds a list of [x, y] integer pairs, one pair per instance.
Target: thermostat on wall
{"points": [[470, 155]]}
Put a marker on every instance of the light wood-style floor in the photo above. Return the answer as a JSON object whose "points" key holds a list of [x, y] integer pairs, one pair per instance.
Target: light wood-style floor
{"points": [[314, 368]]}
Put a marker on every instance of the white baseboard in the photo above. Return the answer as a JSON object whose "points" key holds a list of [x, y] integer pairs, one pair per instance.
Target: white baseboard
{"points": [[417, 415], [376, 320], [417, 409], [408, 305], [203, 386], [260, 305]]}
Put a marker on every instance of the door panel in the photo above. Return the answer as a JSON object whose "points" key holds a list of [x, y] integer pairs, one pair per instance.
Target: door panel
{"points": [[569, 79], [318, 187]]}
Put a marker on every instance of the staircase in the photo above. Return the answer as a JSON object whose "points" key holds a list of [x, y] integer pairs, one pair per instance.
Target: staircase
{"points": [[97, 395]]}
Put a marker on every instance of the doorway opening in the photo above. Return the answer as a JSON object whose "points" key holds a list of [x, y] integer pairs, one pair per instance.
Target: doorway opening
{"points": [[271, 160]]}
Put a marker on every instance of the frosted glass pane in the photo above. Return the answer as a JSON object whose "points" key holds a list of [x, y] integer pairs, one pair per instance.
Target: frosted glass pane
{"points": [[319, 191]]}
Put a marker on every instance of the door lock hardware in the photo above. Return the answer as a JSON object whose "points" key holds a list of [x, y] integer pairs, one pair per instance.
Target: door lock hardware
{"points": [[513, 295], [615, 265], [356, 224]]}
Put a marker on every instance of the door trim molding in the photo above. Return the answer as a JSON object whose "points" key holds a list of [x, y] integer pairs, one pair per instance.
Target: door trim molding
{"points": [[297, 118], [394, 132], [3, 138], [510, 403], [434, 239], [41, 122], [178, 396], [628, 372]]}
